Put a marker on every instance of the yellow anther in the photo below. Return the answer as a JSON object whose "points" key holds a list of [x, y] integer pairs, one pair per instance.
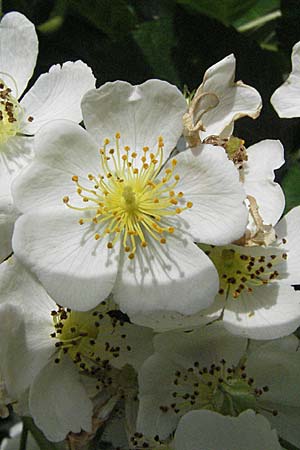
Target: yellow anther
{"points": [[108, 175], [154, 161], [126, 148], [90, 176], [143, 159], [177, 177], [189, 204], [106, 141], [171, 193], [144, 244], [95, 220], [168, 171], [135, 171], [66, 199], [173, 201], [75, 178], [127, 249], [174, 162], [152, 156], [124, 157], [97, 236], [109, 245], [171, 230], [101, 151], [155, 200], [131, 255], [118, 135], [178, 210], [79, 190], [145, 149], [112, 151], [180, 194], [81, 221], [107, 230], [163, 241], [85, 199], [134, 154], [146, 166]]}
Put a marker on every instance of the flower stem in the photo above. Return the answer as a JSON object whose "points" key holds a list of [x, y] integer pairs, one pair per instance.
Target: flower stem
{"points": [[24, 435]]}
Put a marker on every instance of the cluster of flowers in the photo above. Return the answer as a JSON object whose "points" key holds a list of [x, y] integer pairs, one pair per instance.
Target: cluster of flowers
{"points": [[146, 280]]}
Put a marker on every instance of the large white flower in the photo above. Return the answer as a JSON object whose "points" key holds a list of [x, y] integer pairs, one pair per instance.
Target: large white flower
{"points": [[119, 218], [286, 98], [218, 102], [51, 351], [56, 94], [209, 369]]}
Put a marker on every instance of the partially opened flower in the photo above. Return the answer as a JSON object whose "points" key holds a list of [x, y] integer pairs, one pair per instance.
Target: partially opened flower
{"points": [[50, 351], [286, 98], [56, 94], [209, 369], [105, 210], [218, 102]]}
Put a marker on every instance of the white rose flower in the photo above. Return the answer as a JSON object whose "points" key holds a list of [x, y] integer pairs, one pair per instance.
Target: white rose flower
{"points": [[56, 94], [135, 233], [49, 350], [209, 369]]}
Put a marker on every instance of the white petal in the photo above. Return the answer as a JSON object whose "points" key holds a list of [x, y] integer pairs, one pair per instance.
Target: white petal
{"points": [[8, 215], [208, 430], [269, 312], [18, 51], [286, 422], [65, 256], [288, 229], [263, 158], [235, 99], [207, 345], [30, 345], [140, 113], [63, 149], [58, 401], [286, 99], [210, 181], [175, 276], [57, 94]]}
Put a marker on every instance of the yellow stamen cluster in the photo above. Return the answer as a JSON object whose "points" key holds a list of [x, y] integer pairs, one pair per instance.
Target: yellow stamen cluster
{"points": [[9, 114], [241, 269], [132, 198]]}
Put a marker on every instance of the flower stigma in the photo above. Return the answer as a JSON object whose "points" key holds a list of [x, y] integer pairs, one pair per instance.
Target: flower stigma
{"points": [[241, 269], [133, 198], [222, 388], [91, 339], [10, 111]]}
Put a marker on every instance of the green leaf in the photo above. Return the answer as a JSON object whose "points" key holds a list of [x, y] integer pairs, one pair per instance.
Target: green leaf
{"points": [[114, 18], [156, 39], [291, 186], [227, 11], [259, 10]]}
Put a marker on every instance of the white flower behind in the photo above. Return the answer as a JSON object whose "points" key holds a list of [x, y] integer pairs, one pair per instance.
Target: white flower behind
{"points": [[56, 94], [124, 218], [286, 98], [49, 351]]}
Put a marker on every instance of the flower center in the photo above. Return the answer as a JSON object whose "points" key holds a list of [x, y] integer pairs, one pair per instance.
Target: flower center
{"points": [[10, 110], [243, 268], [221, 388], [91, 339], [133, 198]]}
